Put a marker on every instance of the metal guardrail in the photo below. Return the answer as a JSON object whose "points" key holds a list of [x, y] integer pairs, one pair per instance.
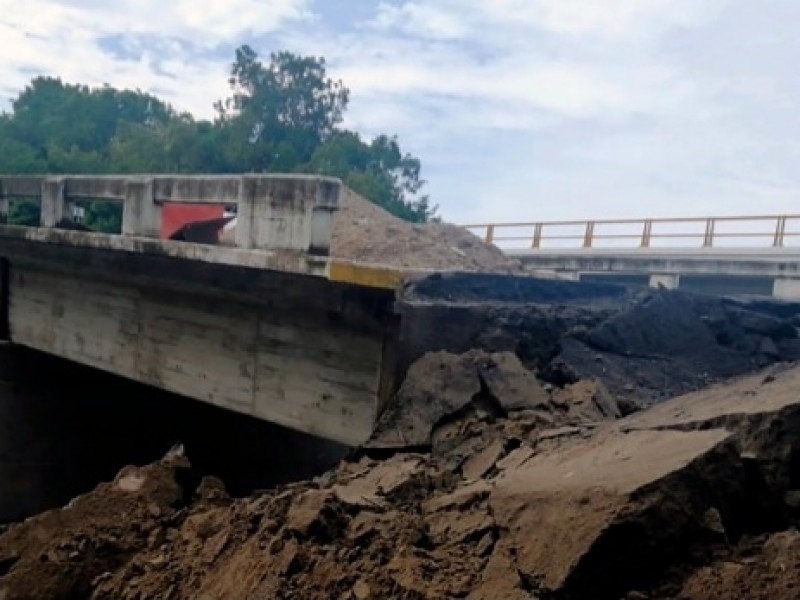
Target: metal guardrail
{"points": [[646, 230]]}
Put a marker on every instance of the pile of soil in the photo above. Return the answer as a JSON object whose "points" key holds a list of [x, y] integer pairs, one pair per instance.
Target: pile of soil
{"points": [[365, 233], [518, 499], [564, 458]]}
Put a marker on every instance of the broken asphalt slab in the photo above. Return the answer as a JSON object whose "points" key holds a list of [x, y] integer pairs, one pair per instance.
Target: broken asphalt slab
{"points": [[601, 516]]}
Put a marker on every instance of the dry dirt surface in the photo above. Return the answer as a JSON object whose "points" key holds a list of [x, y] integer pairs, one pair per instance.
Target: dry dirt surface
{"points": [[510, 495], [365, 233]]}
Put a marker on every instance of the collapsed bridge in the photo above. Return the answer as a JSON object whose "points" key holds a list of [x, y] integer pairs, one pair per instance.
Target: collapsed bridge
{"points": [[269, 324]]}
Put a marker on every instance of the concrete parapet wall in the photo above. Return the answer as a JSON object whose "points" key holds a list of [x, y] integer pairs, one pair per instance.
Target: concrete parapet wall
{"points": [[286, 212]]}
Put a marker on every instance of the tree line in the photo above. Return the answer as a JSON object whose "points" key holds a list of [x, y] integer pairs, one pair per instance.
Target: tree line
{"points": [[282, 115]]}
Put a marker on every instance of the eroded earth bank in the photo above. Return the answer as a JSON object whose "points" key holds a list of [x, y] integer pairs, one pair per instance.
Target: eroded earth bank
{"points": [[552, 441]]}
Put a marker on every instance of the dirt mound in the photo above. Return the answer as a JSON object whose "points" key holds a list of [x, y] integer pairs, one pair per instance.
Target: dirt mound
{"points": [[677, 501], [762, 567], [67, 553], [504, 472], [365, 233]]}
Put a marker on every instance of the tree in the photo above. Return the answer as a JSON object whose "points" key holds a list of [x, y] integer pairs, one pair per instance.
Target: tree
{"points": [[282, 116], [280, 112], [378, 171]]}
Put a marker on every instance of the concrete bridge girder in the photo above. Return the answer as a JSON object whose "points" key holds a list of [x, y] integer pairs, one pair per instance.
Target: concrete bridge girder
{"points": [[298, 350], [777, 268], [269, 327]]}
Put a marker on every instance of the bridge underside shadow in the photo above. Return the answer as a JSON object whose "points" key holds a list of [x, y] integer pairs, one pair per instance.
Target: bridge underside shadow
{"points": [[65, 427]]}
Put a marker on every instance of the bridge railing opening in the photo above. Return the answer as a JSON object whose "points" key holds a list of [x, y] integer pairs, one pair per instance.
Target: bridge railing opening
{"points": [[776, 231], [275, 211]]}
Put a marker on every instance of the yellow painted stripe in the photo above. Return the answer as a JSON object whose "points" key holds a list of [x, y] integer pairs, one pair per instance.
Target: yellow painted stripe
{"points": [[378, 277]]}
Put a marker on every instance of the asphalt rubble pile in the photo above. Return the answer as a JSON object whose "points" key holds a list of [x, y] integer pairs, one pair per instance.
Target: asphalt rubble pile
{"points": [[645, 445]]}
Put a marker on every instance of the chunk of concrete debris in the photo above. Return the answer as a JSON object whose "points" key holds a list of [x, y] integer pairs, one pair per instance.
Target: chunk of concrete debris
{"points": [[441, 386], [371, 488], [588, 400], [586, 517], [565, 508], [318, 514], [462, 497], [477, 465]]}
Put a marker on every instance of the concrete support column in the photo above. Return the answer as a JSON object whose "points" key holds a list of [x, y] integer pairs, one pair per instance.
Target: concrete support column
{"points": [[666, 281], [141, 216], [54, 205], [786, 288], [245, 237], [287, 213]]}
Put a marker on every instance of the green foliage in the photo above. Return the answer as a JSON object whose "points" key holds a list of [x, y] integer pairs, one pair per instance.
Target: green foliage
{"points": [[104, 215], [281, 116], [23, 212], [278, 113], [378, 171]]}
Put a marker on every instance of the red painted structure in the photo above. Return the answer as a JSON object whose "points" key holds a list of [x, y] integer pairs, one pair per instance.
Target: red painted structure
{"points": [[175, 216]]}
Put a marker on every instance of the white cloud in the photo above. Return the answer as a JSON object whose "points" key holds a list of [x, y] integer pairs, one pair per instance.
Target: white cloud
{"points": [[424, 20], [525, 109], [608, 18], [62, 38]]}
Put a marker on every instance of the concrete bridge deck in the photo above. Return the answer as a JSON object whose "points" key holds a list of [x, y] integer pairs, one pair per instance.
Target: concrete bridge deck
{"points": [[743, 254], [271, 327]]}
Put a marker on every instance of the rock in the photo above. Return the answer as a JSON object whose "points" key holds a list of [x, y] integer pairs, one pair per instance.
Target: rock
{"points": [[361, 590], [457, 529], [440, 386], [480, 463], [461, 498], [510, 383], [584, 497], [212, 490], [712, 521], [589, 400], [558, 432], [317, 514], [373, 486], [516, 458]]}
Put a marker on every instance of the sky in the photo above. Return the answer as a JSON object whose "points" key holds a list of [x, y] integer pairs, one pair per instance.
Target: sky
{"points": [[520, 110]]}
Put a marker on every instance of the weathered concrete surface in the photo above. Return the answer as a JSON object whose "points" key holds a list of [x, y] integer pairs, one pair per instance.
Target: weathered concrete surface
{"points": [[35, 241], [719, 267], [297, 350], [275, 211], [776, 262]]}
